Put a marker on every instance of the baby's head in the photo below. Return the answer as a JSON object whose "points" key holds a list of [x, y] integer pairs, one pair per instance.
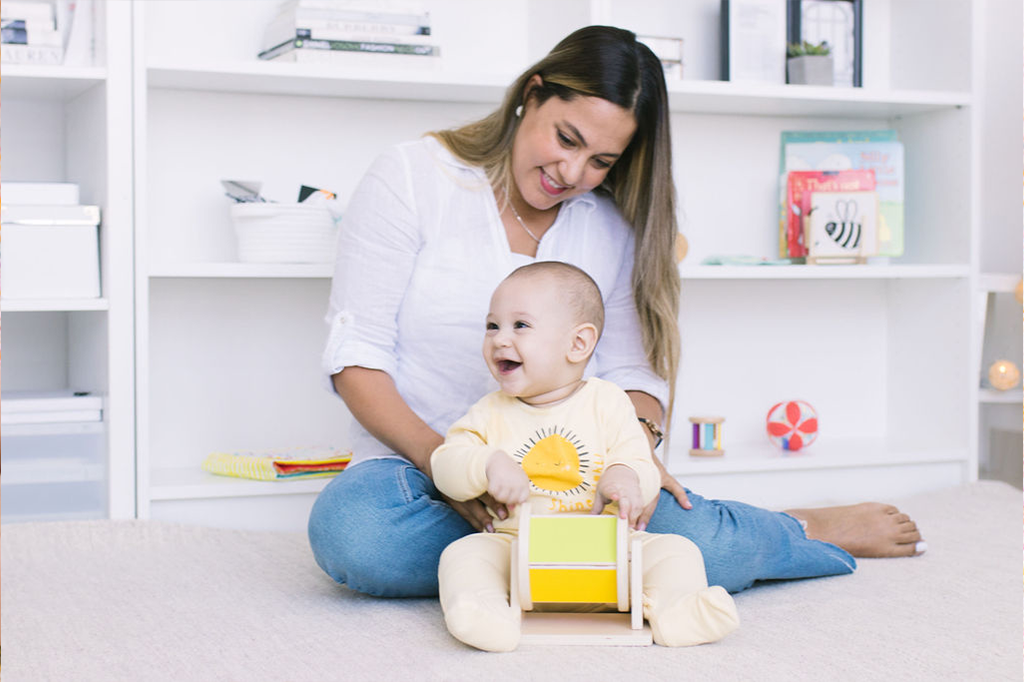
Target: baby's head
{"points": [[543, 325]]}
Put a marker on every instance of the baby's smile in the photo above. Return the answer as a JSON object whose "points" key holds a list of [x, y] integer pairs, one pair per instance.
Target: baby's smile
{"points": [[506, 366]]}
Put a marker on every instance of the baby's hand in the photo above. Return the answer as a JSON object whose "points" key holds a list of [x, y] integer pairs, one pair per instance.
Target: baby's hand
{"points": [[506, 481], [620, 484]]}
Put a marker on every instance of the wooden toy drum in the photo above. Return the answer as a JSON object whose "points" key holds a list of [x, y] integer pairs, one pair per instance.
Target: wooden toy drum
{"points": [[566, 559], [707, 437]]}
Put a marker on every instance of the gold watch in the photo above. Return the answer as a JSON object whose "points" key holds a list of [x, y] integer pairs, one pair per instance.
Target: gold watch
{"points": [[654, 429]]}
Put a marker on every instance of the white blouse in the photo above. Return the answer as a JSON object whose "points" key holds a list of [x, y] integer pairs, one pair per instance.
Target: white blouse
{"points": [[421, 248]]}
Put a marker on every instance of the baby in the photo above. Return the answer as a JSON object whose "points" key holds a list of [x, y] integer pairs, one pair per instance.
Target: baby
{"points": [[558, 442]]}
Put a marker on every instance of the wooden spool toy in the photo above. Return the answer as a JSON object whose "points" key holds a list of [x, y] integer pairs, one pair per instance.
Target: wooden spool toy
{"points": [[567, 560], [707, 437]]}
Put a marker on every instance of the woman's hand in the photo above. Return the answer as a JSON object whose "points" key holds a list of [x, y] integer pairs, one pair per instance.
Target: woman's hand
{"points": [[669, 483], [475, 511]]}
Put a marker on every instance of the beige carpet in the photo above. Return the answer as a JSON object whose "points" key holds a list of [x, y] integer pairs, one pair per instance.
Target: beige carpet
{"points": [[144, 601]]}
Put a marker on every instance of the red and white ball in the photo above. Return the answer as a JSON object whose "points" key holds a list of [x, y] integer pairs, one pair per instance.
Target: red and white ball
{"points": [[792, 425]]}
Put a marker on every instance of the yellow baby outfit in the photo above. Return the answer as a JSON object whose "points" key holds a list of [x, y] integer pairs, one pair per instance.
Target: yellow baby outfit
{"points": [[563, 448]]}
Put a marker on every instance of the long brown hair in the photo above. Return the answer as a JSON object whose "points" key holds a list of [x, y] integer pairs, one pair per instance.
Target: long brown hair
{"points": [[607, 62]]}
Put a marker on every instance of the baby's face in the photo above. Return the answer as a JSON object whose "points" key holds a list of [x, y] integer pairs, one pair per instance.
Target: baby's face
{"points": [[528, 339]]}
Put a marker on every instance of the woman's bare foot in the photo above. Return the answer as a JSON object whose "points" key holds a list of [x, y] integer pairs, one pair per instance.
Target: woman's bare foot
{"points": [[869, 529]]}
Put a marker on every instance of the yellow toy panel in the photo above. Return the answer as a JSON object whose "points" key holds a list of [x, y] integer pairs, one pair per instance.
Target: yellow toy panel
{"points": [[574, 585]]}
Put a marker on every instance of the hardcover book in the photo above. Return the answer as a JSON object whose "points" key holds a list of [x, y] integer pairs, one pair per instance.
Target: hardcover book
{"points": [[799, 187]]}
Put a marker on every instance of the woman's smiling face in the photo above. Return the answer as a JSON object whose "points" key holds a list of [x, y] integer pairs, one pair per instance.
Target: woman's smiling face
{"points": [[564, 149]]}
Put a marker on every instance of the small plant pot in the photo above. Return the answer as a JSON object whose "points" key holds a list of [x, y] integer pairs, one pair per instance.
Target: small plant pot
{"points": [[809, 70]]}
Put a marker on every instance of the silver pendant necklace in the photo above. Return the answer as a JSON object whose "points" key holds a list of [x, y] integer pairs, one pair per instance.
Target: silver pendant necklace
{"points": [[508, 200]]}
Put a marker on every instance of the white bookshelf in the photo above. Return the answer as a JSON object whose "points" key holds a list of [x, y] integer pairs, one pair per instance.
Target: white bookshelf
{"points": [[66, 123], [228, 352]]}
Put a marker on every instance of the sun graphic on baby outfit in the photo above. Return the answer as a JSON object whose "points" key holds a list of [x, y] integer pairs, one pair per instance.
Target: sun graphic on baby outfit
{"points": [[555, 461]]}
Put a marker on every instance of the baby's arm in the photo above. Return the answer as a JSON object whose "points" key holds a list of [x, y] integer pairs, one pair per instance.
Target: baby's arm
{"points": [[506, 481], [466, 465], [619, 483]]}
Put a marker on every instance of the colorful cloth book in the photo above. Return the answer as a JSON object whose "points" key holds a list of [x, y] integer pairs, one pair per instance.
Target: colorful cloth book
{"points": [[279, 465]]}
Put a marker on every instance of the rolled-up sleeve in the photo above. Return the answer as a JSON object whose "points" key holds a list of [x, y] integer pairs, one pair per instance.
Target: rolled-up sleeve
{"points": [[378, 240], [620, 356]]}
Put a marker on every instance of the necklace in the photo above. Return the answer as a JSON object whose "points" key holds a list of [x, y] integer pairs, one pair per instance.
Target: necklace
{"points": [[508, 200]]}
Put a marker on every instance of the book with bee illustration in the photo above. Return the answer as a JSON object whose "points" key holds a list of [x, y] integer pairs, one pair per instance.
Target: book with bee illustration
{"points": [[800, 185], [841, 227]]}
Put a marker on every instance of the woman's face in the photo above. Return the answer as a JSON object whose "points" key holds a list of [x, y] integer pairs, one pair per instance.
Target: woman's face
{"points": [[563, 149]]}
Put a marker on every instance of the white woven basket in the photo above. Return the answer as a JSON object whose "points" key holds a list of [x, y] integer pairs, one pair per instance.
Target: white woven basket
{"points": [[284, 233]]}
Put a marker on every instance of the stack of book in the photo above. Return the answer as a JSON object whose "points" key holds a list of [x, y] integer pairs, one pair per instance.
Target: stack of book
{"points": [[841, 193], [334, 30], [47, 32], [29, 34]]}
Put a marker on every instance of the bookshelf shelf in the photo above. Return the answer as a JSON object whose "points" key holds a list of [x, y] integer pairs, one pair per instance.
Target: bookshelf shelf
{"points": [[53, 305], [328, 80], [993, 397], [242, 270], [838, 454], [31, 81], [998, 283], [805, 100], [801, 272], [188, 483], [437, 85]]}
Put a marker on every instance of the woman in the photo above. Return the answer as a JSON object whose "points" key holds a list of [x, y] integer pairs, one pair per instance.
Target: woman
{"points": [[575, 165]]}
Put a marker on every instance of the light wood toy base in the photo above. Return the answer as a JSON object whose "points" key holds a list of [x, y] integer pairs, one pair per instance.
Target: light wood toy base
{"points": [[706, 453], [583, 629]]}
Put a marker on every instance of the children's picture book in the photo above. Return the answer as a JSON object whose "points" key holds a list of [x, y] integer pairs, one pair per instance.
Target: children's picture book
{"points": [[841, 226], [885, 159], [279, 465], [800, 185], [789, 137]]}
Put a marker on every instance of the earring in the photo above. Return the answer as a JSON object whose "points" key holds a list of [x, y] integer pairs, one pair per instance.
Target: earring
{"points": [[519, 111]]}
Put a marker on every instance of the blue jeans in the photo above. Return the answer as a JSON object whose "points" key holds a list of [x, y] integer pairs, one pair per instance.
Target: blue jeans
{"points": [[380, 528]]}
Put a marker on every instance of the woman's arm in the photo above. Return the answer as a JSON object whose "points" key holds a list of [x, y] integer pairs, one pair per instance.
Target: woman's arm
{"points": [[372, 398], [647, 406]]}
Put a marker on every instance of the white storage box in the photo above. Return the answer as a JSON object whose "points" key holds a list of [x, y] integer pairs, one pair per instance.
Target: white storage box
{"points": [[54, 472], [49, 252], [284, 233]]}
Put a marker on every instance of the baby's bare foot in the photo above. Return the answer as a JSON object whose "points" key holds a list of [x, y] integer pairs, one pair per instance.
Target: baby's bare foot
{"points": [[869, 529]]}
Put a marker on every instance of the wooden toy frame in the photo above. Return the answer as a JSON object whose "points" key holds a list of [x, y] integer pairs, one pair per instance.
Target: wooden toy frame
{"points": [[569, 559]]}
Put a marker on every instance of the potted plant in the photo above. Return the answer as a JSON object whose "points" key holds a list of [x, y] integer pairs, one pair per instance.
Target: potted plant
{"points": [[809, 64]]}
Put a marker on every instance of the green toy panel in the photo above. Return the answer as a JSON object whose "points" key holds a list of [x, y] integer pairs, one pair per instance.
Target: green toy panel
{"points": [[572, 539]]}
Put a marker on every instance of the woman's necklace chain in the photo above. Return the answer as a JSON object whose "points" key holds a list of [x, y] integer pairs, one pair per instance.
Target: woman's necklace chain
{"points": [[519, 218]]}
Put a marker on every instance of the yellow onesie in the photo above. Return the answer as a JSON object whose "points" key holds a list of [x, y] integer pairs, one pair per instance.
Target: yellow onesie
{"points": [[563, 448]]}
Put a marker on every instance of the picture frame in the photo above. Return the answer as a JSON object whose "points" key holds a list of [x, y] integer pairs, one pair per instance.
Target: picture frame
{"points": [[753, 41], [840, 23]]}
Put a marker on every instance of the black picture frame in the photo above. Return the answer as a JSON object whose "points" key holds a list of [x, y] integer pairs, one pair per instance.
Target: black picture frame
{"points": [[795, 33]]}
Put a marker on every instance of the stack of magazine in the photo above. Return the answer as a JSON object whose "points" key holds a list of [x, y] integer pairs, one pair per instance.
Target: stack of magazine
{"points": [[46, 32], [338, 30]]}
